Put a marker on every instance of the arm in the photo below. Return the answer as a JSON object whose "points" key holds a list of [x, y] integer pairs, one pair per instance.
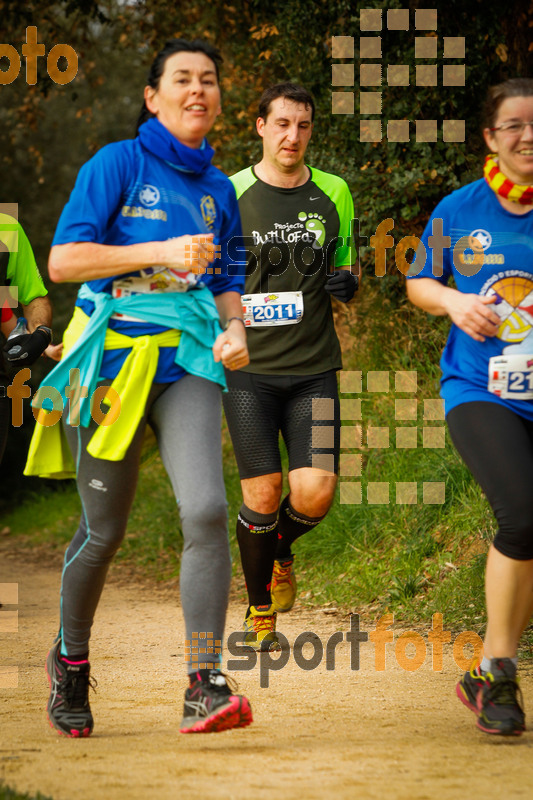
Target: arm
{"points": [[27, 347], [23, 273], [344, 282], [86, 261], [230, 346], [38, 312], [470, 312]]}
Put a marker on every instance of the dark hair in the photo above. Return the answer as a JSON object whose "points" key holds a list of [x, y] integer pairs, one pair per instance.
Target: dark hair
{"points": [[158, 66], [514, 87], [289, 90]]}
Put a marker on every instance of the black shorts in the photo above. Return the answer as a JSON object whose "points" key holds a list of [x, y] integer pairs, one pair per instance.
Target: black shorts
{"points": [[305, 408]]}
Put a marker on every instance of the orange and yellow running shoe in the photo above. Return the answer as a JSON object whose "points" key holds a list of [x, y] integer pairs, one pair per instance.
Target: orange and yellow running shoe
{"points": [[283, 587]]}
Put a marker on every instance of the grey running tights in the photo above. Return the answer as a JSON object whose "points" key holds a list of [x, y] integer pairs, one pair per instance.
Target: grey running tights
{"points": [[186, 418]]}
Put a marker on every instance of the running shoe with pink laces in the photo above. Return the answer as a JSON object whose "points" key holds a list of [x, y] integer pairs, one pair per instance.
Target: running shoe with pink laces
{"points": [[68, 706], [499, 702]]}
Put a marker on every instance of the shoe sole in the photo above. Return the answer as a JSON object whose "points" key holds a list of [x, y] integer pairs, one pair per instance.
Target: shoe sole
{"points": [[463, 697], [236, 714], [262, 647], [74, 734], [281, 609], [509, 732]]}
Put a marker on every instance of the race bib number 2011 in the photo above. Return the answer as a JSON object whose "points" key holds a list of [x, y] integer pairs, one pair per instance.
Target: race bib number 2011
{"points": [[284, 308]]}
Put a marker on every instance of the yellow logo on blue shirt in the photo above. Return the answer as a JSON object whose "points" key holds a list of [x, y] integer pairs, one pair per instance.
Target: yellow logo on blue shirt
{"points": [[209, 210]]}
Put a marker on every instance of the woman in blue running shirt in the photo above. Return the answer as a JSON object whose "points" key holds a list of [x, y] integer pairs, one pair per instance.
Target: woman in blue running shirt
{"points": [[146, 232], [487, 378]]}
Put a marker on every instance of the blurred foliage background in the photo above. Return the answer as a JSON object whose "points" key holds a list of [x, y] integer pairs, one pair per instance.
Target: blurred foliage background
{"points": [[48, 131]]}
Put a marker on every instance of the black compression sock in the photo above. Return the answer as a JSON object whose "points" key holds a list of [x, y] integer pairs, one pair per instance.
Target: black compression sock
{"points": [[257, 535], [292, 525]]}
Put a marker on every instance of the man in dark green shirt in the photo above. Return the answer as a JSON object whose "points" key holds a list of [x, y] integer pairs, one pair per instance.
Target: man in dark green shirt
{"points": [[296, 223]]}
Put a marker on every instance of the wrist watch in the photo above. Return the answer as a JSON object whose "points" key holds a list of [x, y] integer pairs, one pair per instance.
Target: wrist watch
{"points": [[45, 329]]}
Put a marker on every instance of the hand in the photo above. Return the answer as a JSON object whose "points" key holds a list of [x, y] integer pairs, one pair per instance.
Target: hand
{"points": [[28, 347], [190, 253], [230, 347], [342, 285], [54, 351], [472, 314]]}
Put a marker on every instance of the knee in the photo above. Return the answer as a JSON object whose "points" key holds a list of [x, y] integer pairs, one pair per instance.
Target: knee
{"points": [[314, 501], [263, 494], [205, 523], [101, 544], [514, 538]]}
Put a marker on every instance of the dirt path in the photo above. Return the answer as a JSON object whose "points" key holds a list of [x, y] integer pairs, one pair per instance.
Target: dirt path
{"points": [[316, 734]]}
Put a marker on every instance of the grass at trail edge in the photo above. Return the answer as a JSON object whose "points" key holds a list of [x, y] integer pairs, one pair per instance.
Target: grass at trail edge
{"points": [[11, 794]]}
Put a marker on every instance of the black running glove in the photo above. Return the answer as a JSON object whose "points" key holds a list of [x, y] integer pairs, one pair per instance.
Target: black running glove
{"points": [[27, 347], [342, 285]]}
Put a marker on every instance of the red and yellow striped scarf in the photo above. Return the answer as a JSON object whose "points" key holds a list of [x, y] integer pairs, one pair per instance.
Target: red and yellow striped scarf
{"points": [[497, 181]]}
